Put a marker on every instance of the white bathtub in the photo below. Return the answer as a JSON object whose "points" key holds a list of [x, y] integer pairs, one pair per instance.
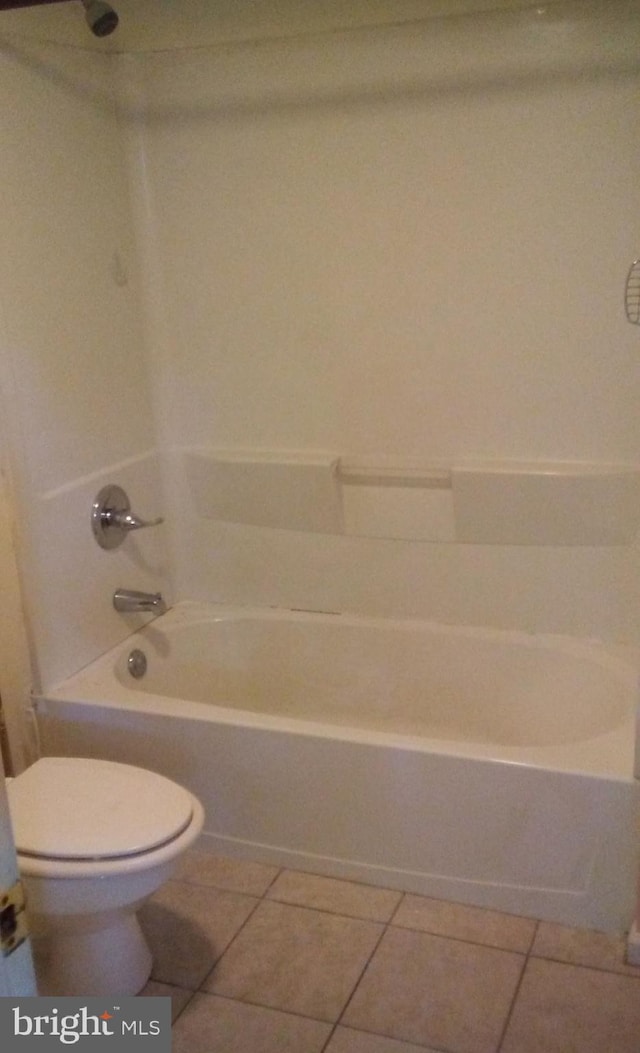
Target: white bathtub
{"points": [[482, 766]]}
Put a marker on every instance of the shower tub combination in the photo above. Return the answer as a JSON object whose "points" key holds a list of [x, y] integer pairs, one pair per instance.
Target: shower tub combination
{"points": [[487, 767]]}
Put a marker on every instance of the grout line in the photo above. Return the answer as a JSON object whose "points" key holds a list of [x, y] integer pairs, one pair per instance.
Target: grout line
{"points": [[463, 939], [392, 1038], [266, 1005], [329, 913], [279, 871], [225, 888], [587, 965], [366, 965], [227, 946], [187, 1003], [534, 936], [525, 963], [341, 880], [329, 1037], [391, 920]]}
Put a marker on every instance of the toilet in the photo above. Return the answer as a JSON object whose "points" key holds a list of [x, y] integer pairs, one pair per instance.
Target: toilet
{"points": [[94, 840]]}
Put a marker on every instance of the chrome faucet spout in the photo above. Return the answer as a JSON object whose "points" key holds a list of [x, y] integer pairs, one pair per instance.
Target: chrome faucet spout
{"points": [[129, 600]]}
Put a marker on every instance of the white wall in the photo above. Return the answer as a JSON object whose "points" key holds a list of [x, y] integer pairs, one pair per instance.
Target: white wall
{"points": [[75, 384], [404, 245], [400, 244]]}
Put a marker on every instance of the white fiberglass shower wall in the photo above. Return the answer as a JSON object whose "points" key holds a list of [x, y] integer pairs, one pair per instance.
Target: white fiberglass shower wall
{"points": [[401, 246], [396, 245]]}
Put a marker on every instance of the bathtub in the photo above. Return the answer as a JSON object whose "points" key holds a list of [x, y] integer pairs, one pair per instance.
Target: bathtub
{"points": [[487, 767]]}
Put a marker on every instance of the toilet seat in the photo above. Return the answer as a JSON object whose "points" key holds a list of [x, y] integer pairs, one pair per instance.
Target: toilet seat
{"points": [[79, 811]]}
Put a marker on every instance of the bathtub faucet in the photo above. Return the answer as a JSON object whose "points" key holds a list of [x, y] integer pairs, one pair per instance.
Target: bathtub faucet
{"points": [[127, 600]]}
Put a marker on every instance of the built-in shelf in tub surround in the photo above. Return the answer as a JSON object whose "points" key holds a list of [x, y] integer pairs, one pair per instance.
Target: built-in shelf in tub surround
{"points": [[500, 503], [287, 490], [546, 504]]}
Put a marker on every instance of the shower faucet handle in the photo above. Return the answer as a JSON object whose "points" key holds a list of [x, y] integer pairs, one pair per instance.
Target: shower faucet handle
{"points": [[112, 518], [128, 521]]}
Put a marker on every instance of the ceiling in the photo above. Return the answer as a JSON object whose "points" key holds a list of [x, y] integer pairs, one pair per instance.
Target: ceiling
{"points": [[156, 25]]}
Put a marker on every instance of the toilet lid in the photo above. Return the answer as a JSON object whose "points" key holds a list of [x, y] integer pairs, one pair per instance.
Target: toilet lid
{"points": [[72, 808]]}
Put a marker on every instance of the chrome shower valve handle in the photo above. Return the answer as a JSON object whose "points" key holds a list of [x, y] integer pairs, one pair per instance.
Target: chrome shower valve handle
{"points": [[127, 521], [112, 518]]}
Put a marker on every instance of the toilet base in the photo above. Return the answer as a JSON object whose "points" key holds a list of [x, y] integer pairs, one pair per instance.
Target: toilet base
{"points": [[110, 959]]}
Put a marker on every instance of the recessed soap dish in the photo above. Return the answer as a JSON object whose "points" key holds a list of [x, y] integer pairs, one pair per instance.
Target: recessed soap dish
{"points": [[632, 294]]}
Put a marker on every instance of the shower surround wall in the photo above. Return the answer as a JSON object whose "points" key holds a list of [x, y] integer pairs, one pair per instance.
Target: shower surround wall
{"points": [[76, 397], [401, 245]]}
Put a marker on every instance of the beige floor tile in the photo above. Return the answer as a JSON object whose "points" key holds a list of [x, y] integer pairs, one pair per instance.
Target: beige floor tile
{"points": [[339, 897], [188, 927], [217, 1025], [582, 947], [179, 995], [436, 992], [568, 1009], [233, 875], [346, 1040], [474, 924], [299, 960]]}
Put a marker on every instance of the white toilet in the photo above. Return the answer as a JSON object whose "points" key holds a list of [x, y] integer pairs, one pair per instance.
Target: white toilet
{"points": [[95, 839]]}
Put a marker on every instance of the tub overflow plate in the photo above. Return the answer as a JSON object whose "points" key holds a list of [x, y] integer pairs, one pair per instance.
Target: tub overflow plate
{"points": [[137, 663]]}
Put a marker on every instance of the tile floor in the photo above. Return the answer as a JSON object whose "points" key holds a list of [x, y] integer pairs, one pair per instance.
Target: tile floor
{"points": [[263, 960]]}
